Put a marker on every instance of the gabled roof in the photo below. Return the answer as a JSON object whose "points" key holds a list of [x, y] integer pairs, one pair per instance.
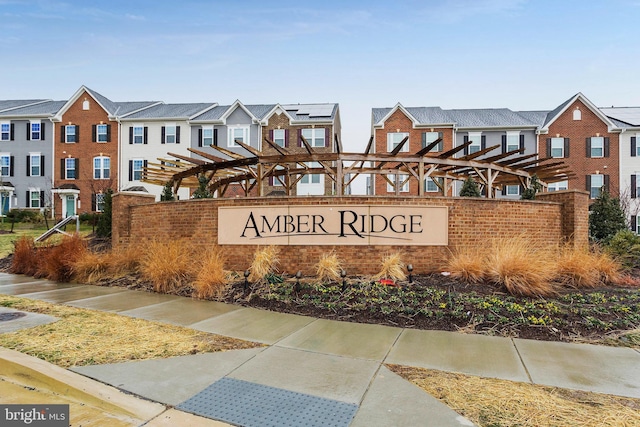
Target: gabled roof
{"points": [[623, 117], [557, 112], [18, 103], [113, 109], [42, 109], [260, 110], [536, 117], [384, 113], [169, 111], [311, 112]]}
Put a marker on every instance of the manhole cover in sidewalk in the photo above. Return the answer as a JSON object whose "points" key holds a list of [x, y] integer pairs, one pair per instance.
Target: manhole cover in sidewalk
{"points": [[5, 317], [254, 405]]}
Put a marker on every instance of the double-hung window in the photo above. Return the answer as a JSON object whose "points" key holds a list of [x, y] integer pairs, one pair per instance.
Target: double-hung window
{"points": [[137, 167], [5, 164], [138, 134], [99, 202], [597, 146], [557, 147], [101, 167], [70, 134], [429, 137], [35, 130], [5, 131], [34, 198], [558, 186], [314, 136], [402, 179], [207, 136], [312, 178], [395, 138], [476, 142], [278, 137], [238, 134], [101, 133], [512, 190], [35, 160], [170, 134], [513, 141], [597, 182], [430, 185], [70, 168]]}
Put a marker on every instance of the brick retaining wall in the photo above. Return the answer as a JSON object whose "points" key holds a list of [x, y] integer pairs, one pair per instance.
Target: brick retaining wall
{"points": [[472, 221]]}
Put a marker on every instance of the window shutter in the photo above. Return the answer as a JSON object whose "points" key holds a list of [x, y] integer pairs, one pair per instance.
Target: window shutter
{"points": [[63, 134], [131, 135], [162, 135], [28, 199], [504, 144], [466, 149], [286, 138], [42, 128], [424, 139], [634, 220], [62, 174], [177, 134], [11, 166], [28, 131], [327, 137], [606, 183], [522, 143], [548, 147], [300, 138], [633, 146], [130, 170], [606, 146], [483, 142], [215, 137], [588, 148], [146, 129], [77, 133], [144, 164], [504, 187], [108, 133], [77, 163], [634, 189], [271, 135], [42, 198], [93, 202], [12, 136], [28, 165], [566, 147], [200, 137], [441, 144], [94, 133], [588, 182], [41, 165], [271, 180]]}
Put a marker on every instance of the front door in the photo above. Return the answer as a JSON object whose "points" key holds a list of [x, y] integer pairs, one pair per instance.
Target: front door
{"points": [[4, 203], [71, 206]]}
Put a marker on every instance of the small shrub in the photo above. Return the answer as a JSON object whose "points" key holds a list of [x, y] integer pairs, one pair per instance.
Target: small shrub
{"points": [[470, 188], [211, 279], [624, 247], [168, 265], [522, 268], [467, 264], [329, 267], [103, 228], [25, 259], [265, 261], [392, 267], [25, 215], [58, 261], [606, 217]]}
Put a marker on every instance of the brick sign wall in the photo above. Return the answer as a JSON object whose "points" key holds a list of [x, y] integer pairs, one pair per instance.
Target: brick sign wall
{"points": [[469, 222]]}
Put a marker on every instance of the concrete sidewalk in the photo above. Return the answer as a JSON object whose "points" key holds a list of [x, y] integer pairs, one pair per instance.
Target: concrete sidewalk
{"points": [[330, 366]]}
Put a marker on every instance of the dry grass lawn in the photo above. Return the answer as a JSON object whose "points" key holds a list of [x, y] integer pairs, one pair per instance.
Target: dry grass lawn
{"points": [[88, 337], [494, 403]]}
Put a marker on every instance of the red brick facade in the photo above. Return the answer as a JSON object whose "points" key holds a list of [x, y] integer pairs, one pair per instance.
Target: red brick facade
{"points": [[472, 222], [84, 150], [399, 122], [578, 131]]}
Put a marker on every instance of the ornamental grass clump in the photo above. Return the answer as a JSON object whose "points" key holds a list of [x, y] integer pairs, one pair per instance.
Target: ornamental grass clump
{"points": [[58, 261], [265, 262], [329, 267], [521, 267], [584, 268], [392, 267], [468, 264], [124, 261], [91, 267], [25, 258], [211, 280], [168, 265]]}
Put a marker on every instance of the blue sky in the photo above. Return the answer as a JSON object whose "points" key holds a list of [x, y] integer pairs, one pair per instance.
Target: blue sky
{"points": [[519, 54]]}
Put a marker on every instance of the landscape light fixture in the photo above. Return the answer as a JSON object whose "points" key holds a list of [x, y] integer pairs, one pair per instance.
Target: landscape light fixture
{"points": [[343, 274], [246, 279], [297, 286], [410, 270]]}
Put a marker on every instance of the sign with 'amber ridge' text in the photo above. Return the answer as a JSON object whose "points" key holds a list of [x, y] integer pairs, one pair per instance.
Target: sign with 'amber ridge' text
{"points": [[333, 225]]}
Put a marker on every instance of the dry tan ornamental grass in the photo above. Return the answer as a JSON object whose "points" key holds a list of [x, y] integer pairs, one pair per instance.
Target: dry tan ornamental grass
{"points": [[212, 278], [265, 261], [87, 337], [168, 265], [492, 402], [329, 267], [392, 267]]}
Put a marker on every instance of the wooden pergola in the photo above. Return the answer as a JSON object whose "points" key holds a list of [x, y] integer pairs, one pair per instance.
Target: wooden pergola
{"points": [[288, 168]]}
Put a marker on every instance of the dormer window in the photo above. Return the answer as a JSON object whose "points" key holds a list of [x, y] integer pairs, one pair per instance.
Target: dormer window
{"points": [[577, 114]]}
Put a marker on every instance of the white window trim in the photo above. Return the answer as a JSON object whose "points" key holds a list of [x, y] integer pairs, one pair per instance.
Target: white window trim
{"points": [[275, 139], [8, 132], [476, 141], [31, 191], [31, 163], [66, 134], [515, 134], [426, 185], [141, 127], [102, 168], [600, 138], [511, 187], [204, 138], [67, 169], [598, 187], [401, 178], [558, 186], [8, 156], [231, 139], [167, 134], [99, 195], [133, 168], [577, 114], [390, 142], [561, 141], [106, 133], [314, 136], [31, 131]]}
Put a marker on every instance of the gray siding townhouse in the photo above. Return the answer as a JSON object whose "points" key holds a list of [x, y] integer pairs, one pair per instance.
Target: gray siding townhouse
{"points": [[26, 153]]}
